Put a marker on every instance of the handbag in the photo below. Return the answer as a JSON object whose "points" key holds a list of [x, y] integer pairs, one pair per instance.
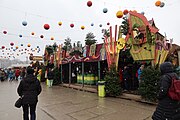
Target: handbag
{"points": [[18, 102]]}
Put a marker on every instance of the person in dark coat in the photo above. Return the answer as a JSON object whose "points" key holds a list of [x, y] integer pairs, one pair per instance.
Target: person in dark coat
{"points": [[167, 109], [29, 89], [126, 78], [50, 76]]}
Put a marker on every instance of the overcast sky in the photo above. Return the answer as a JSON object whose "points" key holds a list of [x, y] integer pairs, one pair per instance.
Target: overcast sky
{"points": [[39, 12]]}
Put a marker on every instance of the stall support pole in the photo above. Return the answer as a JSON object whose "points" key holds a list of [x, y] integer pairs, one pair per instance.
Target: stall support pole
{"points": [[69, 74], [82, 74], [99, 70], [61, 73]]}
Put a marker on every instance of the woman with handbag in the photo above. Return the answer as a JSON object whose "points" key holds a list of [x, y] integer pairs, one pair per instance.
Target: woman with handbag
{"points": [[167, 108], [29, 88]]}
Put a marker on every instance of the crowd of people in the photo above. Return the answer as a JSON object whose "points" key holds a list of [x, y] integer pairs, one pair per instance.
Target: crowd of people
{"points": [[12, 74]]}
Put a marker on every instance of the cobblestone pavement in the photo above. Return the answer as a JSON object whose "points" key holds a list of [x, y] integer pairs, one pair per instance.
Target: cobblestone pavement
{"points": [[60, 103]]}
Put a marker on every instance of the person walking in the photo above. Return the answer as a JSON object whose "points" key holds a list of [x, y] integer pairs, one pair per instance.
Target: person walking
{"points": [[167, 108], [29, 89], [17, 73], [23, 73], [10, 75], [50, 77], [139, 72], [126, 78]]}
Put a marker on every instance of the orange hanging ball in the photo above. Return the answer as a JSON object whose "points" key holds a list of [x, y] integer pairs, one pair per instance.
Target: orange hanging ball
{"points": [[32, 33], [52, 38], [16, 47], [158, 3], [29, 45], [82, 27], [119, 14]]}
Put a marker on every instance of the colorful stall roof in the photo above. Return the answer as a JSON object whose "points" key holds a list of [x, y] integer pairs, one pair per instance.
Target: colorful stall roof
{"points": [[93, 53]]}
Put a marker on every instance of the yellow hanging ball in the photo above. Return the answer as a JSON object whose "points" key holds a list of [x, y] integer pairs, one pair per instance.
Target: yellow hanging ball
{"points": [[82, 27], [59, 23], [119, 14]]}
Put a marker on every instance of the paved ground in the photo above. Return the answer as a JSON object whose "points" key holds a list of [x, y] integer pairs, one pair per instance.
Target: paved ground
{"points": [[60, 103]]}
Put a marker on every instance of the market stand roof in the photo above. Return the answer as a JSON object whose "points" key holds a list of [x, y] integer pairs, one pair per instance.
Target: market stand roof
{"points": [[91, 53]]}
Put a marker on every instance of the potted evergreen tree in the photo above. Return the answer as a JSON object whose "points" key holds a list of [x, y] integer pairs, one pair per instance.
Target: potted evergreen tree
{"points": [[148, 87], [112, 82]]}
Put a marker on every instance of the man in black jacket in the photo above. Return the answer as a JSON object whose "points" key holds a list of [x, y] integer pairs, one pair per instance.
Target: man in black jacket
{"points": [[29, 89]]}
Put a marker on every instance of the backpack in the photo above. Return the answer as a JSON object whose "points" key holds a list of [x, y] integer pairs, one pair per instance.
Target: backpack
{"points": [[174, 90]]}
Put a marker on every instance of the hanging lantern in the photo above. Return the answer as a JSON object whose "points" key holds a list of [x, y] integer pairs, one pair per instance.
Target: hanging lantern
{"points": [[158, 3], [162, 4], [41, 36], [125, 12], [3, 47], [32, 33], [71, 25], [108, 23], [37, 46], [119, 14], [82, 27], [52, 38], [29, 45], [5, 32], [100, 25], [89, 3], [105, 10], [59, 23], [46, 26], [24, 23], [12, 44], [16, 47], [20, 35], [92, 24], [21, 44]]}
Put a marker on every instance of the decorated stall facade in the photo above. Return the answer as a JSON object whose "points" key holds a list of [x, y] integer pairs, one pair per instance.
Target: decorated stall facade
{"points": [[146, 43], [85, 67]]}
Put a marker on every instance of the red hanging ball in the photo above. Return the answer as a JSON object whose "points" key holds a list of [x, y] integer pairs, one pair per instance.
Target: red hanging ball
{"points": [[125, 12], [11, 44], [41, 36], [108, 23], [71, 25], [89, 3], [3, 47], [46, 26], [5, 32]]}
